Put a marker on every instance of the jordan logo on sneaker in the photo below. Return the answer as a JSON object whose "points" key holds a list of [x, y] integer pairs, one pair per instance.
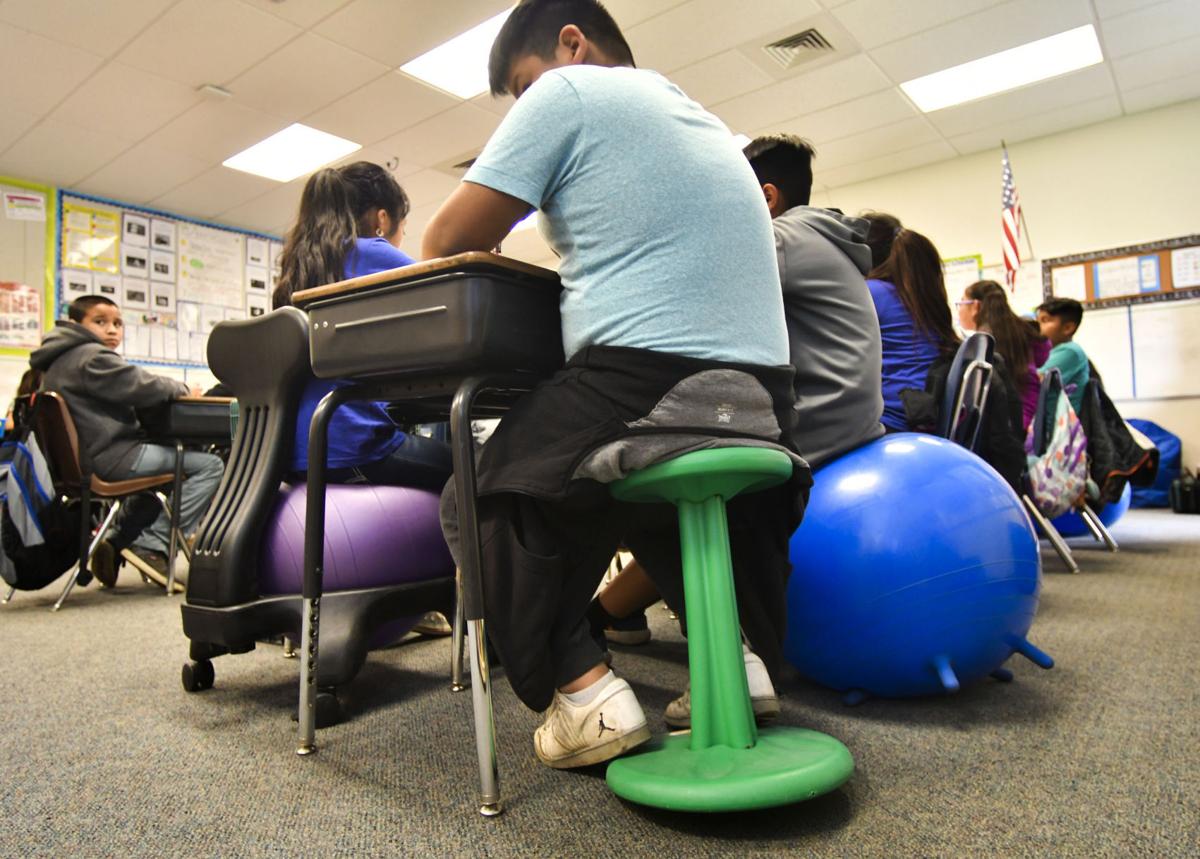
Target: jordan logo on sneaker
{"points": [[604, 727]]}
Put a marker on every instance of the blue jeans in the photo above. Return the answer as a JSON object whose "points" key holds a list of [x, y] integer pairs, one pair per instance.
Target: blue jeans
{"points": [[422, 463], [202, 475]]}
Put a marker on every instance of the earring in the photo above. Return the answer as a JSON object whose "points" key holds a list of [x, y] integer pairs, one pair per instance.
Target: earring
{"points": [[379, 232]]}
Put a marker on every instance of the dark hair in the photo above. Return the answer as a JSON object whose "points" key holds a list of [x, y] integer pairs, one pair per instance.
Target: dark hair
{"points": [[81, 306], [533, 28], [31, 380], [914, 267], [336, 205], [785, 161], [1013, 335], [882, 232], [1067, 308]]}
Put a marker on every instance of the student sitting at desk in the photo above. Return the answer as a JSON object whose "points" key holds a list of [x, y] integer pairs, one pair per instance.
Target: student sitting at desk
{"points": [[351, 223], [1059, 319], [102, 391], [670, 299]]}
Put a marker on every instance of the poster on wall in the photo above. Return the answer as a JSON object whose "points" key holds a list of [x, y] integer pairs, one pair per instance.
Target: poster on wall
{"points": [[162, 297], [256, 305], [137, 230], [211, 265], [256, 280], [135, 294], [24, 206], [75, 283], [256, 252], [162, 266], [20, 315], [135, 262], [90, 237], [108, 285], [162, 235]]}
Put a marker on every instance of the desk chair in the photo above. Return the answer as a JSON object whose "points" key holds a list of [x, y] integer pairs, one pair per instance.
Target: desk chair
{"points": [[56, 434], [265, 363], [960, 414]]}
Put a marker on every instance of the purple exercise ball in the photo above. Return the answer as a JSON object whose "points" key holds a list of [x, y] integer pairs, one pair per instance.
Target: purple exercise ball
{"points": [[375, 536]]}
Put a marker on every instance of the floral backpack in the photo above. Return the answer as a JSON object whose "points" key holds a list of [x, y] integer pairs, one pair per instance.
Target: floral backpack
{"points": [[1057, 451]]}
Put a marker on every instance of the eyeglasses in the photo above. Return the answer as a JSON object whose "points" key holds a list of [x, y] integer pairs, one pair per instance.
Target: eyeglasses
{"points": [[962, 302]]}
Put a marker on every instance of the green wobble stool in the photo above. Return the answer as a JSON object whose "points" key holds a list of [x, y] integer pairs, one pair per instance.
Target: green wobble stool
{"points": [[725, 763]]}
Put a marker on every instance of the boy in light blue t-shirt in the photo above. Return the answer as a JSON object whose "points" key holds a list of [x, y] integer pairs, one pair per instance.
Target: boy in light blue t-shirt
{"points": [[670, 297], [1059, 319]]}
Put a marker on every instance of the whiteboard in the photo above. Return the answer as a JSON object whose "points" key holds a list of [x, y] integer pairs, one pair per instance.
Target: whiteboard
{"points": [[1105, 337], [1166, 349]]}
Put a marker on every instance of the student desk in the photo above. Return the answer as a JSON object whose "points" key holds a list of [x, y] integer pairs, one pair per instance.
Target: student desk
{"points": [[186, 420], [458, 337]]}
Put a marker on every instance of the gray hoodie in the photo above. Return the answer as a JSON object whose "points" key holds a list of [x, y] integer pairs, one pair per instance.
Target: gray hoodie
{"points": [[102, 390], [833, 331]]}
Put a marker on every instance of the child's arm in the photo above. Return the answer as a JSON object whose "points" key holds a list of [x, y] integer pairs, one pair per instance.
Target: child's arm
{"points": [[473, 218], [109, 377]]}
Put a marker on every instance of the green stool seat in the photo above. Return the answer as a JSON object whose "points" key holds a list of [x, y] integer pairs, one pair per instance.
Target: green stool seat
{"points": [[724, 763]]}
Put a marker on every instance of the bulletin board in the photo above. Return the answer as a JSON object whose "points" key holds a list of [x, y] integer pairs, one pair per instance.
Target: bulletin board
{"points": [[174, 278], [1138, 274], [27, 230]]}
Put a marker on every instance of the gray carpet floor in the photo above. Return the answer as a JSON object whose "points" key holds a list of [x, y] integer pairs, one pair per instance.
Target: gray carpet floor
{"points": [[103, 754]]}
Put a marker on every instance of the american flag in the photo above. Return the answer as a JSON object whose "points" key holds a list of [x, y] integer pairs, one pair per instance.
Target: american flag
{"points": [[1011, 218]]}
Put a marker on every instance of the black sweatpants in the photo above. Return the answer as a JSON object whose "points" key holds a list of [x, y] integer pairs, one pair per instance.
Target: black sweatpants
{"points": [[543, 560]]}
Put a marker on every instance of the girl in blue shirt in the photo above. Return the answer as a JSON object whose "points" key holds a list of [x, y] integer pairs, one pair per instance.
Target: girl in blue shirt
{"points": [[351, 223], [909, 292]]}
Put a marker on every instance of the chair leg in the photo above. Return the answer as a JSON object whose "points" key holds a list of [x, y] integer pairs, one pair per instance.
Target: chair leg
{"points": [[88, 547], [1051, 533], [173, 514], [1097, 528], [456, 637], [8, 596], [485, 728]]}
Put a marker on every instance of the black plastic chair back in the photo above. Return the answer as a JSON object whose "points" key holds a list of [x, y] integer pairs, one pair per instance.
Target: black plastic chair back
{"points": [[967, 384], [265, 363], [1042, 426]]}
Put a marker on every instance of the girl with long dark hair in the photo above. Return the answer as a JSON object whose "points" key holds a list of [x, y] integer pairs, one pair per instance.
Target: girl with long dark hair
{"points": [[909, 292], [350, 223], [984, 307]]}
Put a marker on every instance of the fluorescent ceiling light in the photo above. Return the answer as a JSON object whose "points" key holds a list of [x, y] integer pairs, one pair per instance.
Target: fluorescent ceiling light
{"points": [[1016, 67], [292, 152], [459, 66]]}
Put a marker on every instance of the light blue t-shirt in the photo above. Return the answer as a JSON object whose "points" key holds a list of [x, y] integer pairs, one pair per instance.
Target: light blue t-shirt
{"points": [[665, 239], [1072, 364]]}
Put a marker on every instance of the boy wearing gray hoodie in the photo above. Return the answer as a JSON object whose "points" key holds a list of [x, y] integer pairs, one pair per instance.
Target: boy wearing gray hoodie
{"points": [[102, 391]]}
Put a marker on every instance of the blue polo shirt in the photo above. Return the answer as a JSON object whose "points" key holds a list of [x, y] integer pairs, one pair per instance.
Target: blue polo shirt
{"points": [[359, 432], [907, 353]]}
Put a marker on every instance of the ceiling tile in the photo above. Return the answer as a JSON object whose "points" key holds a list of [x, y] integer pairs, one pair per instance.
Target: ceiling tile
{"points": [[821, 88], [142, 173], [381, 108], [384, 156], [304, 75], [877, 22], [895, 162], [216, 130], [882, 108], [1083, 85], [16, 123], [876, 143], [128, 102], [630, 13], [429, 187], [1029, 127], [720, 78], [395, 31], [37, 72], [461, 131], [1161, 94], [216, 190], [98, 27], [266, 211], [1112, 8], [1180, 59], [207, 41], [688, 33], [1148, 28], [990, 31], [60, 154], [499, 105], [303, 13]]}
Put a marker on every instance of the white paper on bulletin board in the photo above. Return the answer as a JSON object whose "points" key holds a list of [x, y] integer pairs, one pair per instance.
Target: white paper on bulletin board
{"points": [[1070, 281], [959, 273], [1028, 292], [1105, 337], [211, 265], [1166, 349]]}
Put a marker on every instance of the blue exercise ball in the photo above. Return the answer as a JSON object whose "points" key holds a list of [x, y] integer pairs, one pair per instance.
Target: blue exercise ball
{"points": [[1071, 524], [915, 570]]}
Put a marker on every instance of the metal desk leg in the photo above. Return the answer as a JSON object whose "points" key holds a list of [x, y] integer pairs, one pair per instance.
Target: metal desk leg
{"points": [[173, 540], [468, 527], [1051, 533], [314, 564], [456, 637], [1097, 528]]}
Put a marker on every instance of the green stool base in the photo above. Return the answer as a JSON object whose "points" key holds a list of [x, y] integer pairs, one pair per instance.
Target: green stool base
{"points": [[787, 765]]}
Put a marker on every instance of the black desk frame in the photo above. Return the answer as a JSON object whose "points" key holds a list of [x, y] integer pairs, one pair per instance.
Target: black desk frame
{"points": [[425, 399]]}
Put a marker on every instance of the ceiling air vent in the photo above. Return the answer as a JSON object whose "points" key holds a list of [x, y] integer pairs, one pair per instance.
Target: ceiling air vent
{"points": [[798, 49]]}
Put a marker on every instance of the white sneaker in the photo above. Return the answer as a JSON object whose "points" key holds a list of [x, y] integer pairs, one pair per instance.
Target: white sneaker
{"points": [[763, 699], [576, 736]]}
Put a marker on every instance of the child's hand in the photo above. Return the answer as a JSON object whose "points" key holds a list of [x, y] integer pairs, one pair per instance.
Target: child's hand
{"points": [[194, 391]]}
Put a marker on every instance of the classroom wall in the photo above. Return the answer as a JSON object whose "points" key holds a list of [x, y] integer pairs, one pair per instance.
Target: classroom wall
{"points": [[1121, 182]]}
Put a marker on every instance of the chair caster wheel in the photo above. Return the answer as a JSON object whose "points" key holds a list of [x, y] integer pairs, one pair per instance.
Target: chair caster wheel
{"points": [[329, 709], [198, 676]]}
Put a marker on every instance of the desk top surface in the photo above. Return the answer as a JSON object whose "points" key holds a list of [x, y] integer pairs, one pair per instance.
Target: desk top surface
{"points": [[211, 401], [473, 262]]}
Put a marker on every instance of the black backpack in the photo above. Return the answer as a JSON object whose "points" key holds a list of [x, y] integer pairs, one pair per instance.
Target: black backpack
{"points": [[1185, 494], [30, 568]]}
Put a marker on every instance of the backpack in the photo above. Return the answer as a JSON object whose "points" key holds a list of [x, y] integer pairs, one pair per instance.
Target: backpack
{"points": [[39, 532], [1057, 451], [1185, 494]]}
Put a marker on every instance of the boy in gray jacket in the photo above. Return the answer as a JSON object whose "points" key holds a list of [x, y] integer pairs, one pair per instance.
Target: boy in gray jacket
{"points": [[102, 390]]}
